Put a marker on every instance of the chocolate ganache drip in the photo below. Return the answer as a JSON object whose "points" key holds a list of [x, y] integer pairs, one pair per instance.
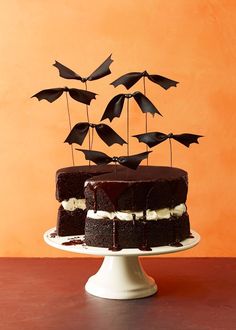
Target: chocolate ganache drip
{"points": [[176, 242], [134, 218], [111, 189], [144, 244], [115, 245]]}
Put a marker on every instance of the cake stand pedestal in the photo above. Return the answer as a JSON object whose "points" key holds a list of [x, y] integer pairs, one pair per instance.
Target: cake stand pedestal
{"points": [[121, 275]]}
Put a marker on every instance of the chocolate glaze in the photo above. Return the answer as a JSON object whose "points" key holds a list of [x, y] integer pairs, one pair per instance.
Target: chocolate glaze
{"points": [[143, 173], [115, 245], [134, 219], [111, 189], [149, 187], [144, 244]]}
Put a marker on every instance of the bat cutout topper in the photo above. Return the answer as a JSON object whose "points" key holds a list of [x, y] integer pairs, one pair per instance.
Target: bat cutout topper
{"points": [[100, 158], [154, 138], [131, 78], [115, 106], [102, 71], [79, 95], [105, 132]]}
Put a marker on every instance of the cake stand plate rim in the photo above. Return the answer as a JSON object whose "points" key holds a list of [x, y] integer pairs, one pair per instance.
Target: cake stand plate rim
{"points": [[57, 241]]}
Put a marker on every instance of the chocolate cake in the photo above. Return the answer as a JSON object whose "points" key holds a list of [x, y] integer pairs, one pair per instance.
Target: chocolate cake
{"points": [[137, 209], [70, 193]]}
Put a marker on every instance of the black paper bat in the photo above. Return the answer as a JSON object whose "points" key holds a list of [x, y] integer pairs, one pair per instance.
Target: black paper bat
{"points": [[100, 158], [52, 94], [102, 71], [115, 106], [154, 138], [105, 132], [130, 79]]}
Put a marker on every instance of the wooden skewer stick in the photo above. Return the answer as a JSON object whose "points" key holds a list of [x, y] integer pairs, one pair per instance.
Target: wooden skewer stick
{"points": [[69, 119]]}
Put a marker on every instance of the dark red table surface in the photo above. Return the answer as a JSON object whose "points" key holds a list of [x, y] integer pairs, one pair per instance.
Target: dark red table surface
{"points": [[194, 293]]}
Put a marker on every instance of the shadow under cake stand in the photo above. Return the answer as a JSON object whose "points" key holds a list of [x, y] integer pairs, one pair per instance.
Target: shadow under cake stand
{"points": [[121, 275]]}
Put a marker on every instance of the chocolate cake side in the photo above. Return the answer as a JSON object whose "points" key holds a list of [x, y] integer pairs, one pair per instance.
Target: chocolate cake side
{"points": [[70, 192], [70, 180], [70, 223], [136, 234]]}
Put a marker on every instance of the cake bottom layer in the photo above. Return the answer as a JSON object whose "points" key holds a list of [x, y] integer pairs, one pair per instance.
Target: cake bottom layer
{"points": [[70, 222], [118, 234]]}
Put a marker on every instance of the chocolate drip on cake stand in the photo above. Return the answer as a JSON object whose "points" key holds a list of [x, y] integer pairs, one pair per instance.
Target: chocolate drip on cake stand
{"points": [[73, 242], [176, 242]]}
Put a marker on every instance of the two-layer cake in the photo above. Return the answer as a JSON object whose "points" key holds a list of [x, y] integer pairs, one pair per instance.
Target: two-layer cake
{"points": [[125, 208]]}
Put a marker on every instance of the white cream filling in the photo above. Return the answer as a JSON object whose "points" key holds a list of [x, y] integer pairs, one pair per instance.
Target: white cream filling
{"points": [[165, 213], [73, 203]]}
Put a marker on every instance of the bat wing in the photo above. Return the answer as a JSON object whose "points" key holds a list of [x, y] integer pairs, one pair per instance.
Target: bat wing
{"points": [[186, 138], [82, 95], [102, 71], [114, 107], [133, 161], [99, 158], [162, 81], [145, 104], [50, 95], [108, 135], [78, 133], [65, 72], [128, 79], [151, 139]]}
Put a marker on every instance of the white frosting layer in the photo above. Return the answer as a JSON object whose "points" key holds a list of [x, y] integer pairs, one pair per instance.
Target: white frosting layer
{"points": [[128, 215], [73, 203]]}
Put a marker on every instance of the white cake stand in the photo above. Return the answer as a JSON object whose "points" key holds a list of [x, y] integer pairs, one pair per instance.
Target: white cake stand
{"points": [[121, 275]]}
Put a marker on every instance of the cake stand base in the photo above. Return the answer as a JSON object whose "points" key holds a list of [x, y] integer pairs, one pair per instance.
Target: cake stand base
{"points": [[121, 277]]}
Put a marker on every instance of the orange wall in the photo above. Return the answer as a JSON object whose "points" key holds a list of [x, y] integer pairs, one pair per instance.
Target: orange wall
{"points": [[191, 41]]}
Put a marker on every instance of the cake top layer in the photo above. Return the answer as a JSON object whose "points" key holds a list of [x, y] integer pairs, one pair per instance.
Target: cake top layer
{"points": [[142, 174], [70, 180], [149, 187], [93, 169]]}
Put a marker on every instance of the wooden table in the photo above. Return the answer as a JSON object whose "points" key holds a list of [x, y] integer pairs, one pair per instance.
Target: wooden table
{"points": [[194, 293]]}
